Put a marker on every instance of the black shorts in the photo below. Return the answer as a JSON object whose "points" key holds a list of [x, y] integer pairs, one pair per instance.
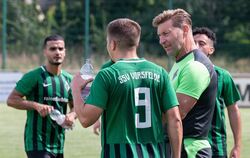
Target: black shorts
{"points": [[42, 154], [168, 149], [214, 156]]}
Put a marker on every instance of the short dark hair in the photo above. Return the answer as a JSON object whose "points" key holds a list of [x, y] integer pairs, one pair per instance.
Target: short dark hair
{"points": [[52, 38], [206, 31], [125, 31]]}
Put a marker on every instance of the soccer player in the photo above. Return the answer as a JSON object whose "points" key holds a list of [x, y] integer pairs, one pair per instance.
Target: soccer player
{"points": [[193, 78], [227, 95], [39, 92], [131, 95]]}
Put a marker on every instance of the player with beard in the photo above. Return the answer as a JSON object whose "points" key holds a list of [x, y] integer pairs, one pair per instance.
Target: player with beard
{"points": [[39, 92]]}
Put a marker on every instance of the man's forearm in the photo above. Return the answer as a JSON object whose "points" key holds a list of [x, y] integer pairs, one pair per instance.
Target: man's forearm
{"points": [[22, 104], [235, 123], [175, 137], [78, 103], [175, 132]]}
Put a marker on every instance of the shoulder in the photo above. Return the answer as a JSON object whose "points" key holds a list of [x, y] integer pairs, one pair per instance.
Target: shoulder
{"points": [[67, 74], [107, 64], [193, 61], [35, 72], [222, 72], [29, 79], [202, 58], [195, 73], [196, 67]]}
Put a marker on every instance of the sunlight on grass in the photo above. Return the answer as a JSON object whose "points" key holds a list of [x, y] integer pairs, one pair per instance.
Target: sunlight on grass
{"points": [[245, 133], [79, 142]]}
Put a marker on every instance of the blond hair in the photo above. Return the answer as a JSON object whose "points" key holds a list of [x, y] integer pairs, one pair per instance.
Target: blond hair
{"points": [[178, 17]]}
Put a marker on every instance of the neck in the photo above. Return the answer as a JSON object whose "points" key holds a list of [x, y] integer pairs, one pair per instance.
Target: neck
{"points": [[188, 46], [130, 54], [53, 69]]}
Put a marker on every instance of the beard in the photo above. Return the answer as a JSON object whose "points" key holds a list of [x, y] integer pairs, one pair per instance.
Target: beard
{"points": [[56, 63]]}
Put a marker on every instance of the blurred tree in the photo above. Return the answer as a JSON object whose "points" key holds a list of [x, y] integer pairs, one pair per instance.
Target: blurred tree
{"points": [[28, 24], [102, 12], [25, 27], [67, 18]]}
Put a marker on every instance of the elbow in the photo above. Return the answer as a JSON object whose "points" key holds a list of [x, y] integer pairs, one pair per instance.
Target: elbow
{"points": [[183, 115], [179, 128], [82, 119], [175, 121], [178, 122], [84, 122], [9, 102]]}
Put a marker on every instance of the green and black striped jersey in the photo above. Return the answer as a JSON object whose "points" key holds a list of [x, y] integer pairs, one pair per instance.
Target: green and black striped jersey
{"points": [[227, 94], [133, 93], [41, 133]]}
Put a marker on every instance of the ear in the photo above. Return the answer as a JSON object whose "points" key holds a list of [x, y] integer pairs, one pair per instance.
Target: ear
{"points": [[113, 45], [211, 51], [185, 29]]}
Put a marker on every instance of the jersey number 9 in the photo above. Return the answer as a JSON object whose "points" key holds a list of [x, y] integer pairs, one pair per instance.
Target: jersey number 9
{"points": [[143, 102]]}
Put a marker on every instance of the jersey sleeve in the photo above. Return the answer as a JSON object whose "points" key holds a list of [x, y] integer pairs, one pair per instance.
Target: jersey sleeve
{"points": [[229, 91], [99, 91], [26, 84], [194, 79]]}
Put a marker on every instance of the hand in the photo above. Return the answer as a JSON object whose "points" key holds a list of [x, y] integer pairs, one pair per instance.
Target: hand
{"points": [[235, 152], [69, 120], [79, 82], [43, 109], [96, 127]]}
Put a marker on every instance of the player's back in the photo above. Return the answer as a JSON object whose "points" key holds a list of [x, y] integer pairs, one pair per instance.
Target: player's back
{"points": [[133, 112]]}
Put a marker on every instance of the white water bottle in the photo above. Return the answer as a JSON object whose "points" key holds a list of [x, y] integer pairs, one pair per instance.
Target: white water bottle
{"points": [[57, 116], [86, 72]]}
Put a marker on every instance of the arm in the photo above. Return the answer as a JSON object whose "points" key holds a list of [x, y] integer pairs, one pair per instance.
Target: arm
{"points": [[186, 104], [97, 127], [235, 123], [72, 110], [17, 101], [71, 116], [175, 130], [87, 114], [193, 80]]}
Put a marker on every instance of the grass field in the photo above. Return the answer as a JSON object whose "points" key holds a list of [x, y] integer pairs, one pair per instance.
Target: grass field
{"points": [[80, 142]]}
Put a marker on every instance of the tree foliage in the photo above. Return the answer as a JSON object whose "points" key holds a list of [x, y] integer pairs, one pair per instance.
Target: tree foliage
{"points": [[26, 27]]}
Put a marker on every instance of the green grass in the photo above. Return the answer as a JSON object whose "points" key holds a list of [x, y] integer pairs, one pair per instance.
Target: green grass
{"points": [[80, 142], [245, 121]]}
